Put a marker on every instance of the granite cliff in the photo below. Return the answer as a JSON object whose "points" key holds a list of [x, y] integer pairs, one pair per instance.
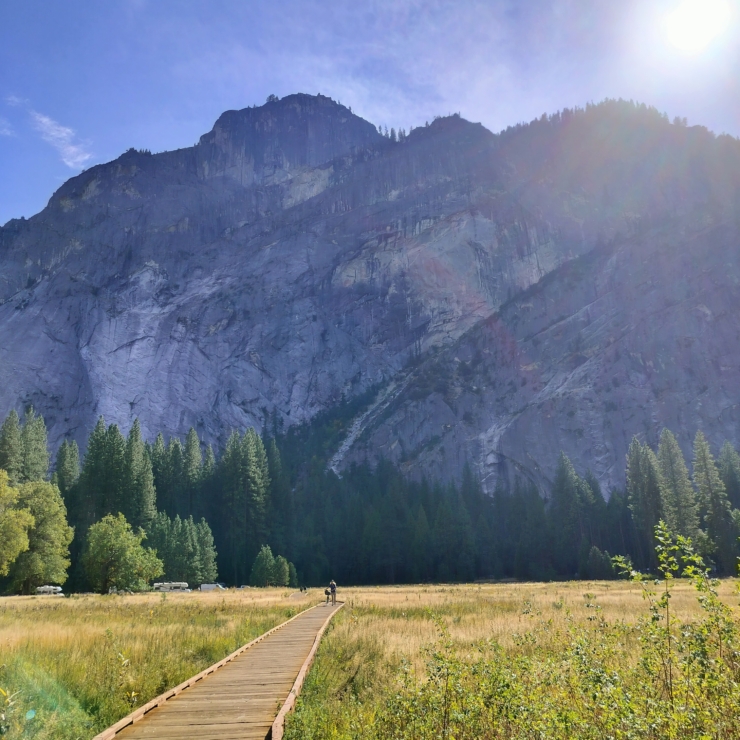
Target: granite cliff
{"points": [[564, 284]]}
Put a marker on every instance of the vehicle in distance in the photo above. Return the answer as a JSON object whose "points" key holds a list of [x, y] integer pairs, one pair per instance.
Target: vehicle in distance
{"points": [[49, 590], [212, 587], [171, 586]]}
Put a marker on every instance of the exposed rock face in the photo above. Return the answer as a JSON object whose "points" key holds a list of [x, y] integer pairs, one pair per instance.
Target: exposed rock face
{"points": [[565, 284]]}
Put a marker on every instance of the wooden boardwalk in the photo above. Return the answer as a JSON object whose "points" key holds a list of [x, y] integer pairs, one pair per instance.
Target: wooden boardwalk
{"points": [[242, 697]]}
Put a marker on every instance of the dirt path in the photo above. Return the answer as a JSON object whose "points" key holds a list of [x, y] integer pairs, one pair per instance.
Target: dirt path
{"points": [[241, 698]]}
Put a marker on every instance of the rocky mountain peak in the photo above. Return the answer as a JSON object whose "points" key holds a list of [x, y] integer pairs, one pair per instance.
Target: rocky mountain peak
{"points": [[297, 131], [296, 257]]}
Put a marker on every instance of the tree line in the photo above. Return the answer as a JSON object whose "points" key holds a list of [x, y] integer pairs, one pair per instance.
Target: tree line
{"points": [[205, 514]]}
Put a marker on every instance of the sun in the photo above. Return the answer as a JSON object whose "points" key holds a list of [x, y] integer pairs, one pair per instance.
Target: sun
{"points": [[694, 24]]}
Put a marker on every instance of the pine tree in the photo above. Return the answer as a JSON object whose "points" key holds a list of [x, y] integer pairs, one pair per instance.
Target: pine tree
{"points": [[186, 549], [714, 506], [89, 506], [679, 498], [67, 466], [100, 488], [595, 505], [263, 568], [420, 545], [175, 482], [257, 480], [207, 550], [567, 516], [280, 572], [160, 539], [11, 448], [292, 576], [139, 495], [160, 472], [729, 470], [233, 504], [113, 496], [189, 552], [47, 558], [35, 463], [191, 469], [279, 505], [209, 463], [644, 490]]}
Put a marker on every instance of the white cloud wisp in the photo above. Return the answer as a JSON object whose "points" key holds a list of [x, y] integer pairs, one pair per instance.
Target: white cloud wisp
{"points": [[73, 154], [5, 128]]}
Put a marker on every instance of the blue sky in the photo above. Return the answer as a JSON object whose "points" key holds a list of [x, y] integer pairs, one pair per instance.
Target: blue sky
{"points": [[81, 82]]}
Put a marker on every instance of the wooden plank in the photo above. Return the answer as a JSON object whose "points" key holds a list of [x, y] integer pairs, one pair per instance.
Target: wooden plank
{"points": [[237, 697], [278, 726]]}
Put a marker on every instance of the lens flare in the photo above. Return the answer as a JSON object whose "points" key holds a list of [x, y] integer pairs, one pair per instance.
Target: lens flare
{"points": [[694, 24]]}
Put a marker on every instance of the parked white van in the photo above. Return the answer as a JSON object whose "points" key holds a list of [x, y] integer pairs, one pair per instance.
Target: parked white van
{"points": [[212, 587], [171, 586], [48, 590]]}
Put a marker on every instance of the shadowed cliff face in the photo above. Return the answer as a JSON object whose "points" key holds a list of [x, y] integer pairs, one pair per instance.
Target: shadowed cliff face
{"points": [[563, 284]]}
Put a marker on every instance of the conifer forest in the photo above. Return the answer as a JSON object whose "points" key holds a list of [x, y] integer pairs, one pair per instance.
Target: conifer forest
{"points": [[201, 514]]}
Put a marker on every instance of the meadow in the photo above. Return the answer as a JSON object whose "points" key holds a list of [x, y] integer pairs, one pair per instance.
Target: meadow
{"points": [[503, 660], [526, 660], [73, 666]]}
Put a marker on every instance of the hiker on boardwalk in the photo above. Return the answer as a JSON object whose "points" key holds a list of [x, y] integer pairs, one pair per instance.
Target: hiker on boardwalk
{"points": [[333, 589], [327, 593]]}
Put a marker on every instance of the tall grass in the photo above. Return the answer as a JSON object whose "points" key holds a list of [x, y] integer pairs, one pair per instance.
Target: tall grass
{"points": [[575, 660], [71, 667]]}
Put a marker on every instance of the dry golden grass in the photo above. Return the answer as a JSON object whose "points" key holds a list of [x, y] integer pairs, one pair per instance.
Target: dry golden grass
{"points": [[537, 633], [398, 618], [83, 662]]}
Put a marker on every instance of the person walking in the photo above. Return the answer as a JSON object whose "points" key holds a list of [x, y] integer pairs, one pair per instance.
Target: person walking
{"points": [[327, 593], [333, 588]]}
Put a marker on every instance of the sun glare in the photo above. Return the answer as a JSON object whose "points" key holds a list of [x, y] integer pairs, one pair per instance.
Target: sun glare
{"points": [[694, 24]]}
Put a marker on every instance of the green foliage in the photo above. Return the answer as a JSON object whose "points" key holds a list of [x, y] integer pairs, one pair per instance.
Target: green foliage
{"points": [[139, 497], [35, 461], [374, 525], [67, 468], [280, 572], [115, 559], [47, 558], [185, 548], [645, 491], [23, 451], [14, 525], [576, 682], [729, 470], [599, 565], [244, 490], [678, 497], [100, 489], [11, 448], [263, 567], [715, 508]]}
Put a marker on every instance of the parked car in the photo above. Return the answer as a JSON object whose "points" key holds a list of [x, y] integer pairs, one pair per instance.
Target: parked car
{"points": [[212, 587], [54, 590], [171, 586]]}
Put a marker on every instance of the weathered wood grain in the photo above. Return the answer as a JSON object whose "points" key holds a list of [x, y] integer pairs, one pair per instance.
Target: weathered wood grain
{"points": [[238, 697]]}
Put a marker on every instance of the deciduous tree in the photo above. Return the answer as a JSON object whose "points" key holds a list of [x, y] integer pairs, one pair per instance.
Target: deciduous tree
{"points": [[115, 558], [47, 558], [14, 525]]}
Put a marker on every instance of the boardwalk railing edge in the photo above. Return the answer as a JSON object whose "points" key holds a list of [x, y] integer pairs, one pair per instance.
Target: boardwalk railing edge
{"points": [[278, 726], [144, 709]]}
